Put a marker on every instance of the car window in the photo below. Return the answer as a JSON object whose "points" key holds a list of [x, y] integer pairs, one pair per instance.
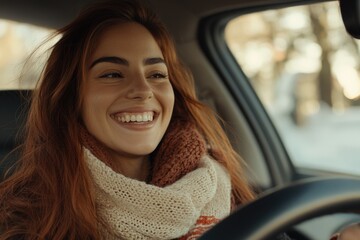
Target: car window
{"points": [[305, 69], [17, 41]]}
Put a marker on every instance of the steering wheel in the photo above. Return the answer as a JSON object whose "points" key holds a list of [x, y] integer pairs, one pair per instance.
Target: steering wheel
{"points": [[280, 209]]}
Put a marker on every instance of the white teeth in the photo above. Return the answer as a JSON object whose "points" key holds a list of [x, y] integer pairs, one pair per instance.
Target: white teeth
{"points": [[127, 118], [139, 117]]}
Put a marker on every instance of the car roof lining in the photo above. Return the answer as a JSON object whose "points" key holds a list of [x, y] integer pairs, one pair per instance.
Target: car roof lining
{"points": [[55, 14]]}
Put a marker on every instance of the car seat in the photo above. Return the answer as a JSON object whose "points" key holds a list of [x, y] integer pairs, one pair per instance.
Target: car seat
{"points": [[13, 112]]}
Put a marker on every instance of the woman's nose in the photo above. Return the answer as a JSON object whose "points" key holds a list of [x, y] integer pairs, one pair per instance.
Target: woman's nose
{"points": [[140, 89]]}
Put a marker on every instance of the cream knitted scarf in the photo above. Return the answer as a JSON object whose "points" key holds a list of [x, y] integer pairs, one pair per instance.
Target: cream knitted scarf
{"points": [[132, 209], [187, 193]]}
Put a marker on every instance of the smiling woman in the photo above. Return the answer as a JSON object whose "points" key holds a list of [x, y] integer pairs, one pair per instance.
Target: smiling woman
{"points": [[120, 90], [117, 145]]}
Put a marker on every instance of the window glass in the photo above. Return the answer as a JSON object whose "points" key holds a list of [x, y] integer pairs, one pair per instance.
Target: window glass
{"points": [[305, 69], [17, 42]]}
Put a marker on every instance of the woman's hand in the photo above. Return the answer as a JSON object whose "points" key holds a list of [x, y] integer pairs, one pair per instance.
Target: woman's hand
{"points": [[351, 232]]}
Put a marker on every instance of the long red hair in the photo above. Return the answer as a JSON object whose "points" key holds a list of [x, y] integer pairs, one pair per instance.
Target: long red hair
{"points": [[49, 195]]}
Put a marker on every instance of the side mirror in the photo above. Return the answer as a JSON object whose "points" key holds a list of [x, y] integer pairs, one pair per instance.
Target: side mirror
{"points": [[350, 12]]}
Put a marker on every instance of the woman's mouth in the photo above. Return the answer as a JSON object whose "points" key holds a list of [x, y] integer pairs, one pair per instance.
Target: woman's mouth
{"points": [[138, 117]]}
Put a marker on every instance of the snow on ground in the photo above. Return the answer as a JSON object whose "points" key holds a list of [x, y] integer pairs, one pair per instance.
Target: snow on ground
{"points": [[328, 140]]}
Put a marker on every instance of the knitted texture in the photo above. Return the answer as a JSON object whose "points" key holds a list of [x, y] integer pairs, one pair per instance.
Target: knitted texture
{"points": [[95, 146], [179, 152], [133, 209]]}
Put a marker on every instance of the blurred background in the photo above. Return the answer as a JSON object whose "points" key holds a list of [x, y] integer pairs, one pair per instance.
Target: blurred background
{"points": [[17, 42], [305, 70]]}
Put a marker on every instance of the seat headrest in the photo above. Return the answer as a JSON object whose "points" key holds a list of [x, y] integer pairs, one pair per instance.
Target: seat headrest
{"points": [[13, 112]]}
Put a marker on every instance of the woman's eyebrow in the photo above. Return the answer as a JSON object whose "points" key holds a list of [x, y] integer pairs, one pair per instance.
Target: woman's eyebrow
{"points": [[110, 59], [122, 61]]}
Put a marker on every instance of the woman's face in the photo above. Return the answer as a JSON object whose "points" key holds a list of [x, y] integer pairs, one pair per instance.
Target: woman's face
{"points": [[128, 98]]}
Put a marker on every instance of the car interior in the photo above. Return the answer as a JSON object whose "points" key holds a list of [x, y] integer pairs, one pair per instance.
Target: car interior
{"points": [[322, 204]]}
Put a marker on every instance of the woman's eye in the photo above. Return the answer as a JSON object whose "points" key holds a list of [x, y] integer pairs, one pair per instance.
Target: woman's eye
{"points": [[159, 75], [112, 75]]}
